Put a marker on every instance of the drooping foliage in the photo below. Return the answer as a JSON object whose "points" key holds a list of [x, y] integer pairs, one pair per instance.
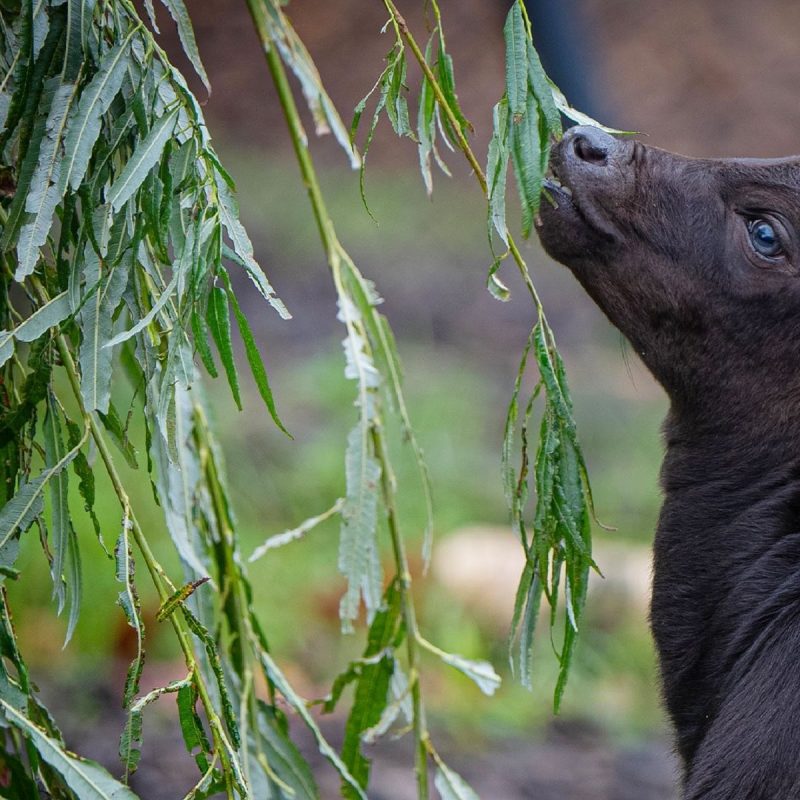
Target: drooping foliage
{"points": [[120, 231]]}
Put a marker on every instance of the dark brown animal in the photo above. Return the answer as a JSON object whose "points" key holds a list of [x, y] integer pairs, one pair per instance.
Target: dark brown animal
{"points": [[697, 262]]}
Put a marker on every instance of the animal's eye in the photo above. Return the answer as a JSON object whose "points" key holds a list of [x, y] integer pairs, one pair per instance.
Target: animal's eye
{"points": [[764, 238]]}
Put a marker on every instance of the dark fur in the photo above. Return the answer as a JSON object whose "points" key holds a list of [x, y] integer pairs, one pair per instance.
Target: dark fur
{"points": [[660, 242]]}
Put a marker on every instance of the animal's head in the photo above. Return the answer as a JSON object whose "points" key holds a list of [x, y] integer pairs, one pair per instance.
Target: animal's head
{"points": [[696, 261]]}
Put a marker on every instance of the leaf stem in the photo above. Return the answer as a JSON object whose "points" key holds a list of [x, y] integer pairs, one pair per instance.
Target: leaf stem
{"points": [[334, 253], [413, 636]]}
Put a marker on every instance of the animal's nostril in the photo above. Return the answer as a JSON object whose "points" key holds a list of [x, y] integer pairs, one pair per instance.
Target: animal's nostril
{"points": [[587, 150]]}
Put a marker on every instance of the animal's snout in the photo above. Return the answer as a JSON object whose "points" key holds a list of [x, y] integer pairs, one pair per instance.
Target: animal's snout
{"points": [[585, 144]]}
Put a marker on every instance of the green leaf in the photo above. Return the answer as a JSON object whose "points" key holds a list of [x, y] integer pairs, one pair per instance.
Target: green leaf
{"points": [[194, 737], [242, 252], [87, 779], [129, 602], [79, 21], [541, 88], [119, 435], [219, 322], [359, 560], [63, 543], [144, 321], [285, 762], [526, 150], [451, 786], [96, 320], [200, 338], [480, 672], [497, 169], [212, 652], [85, 478], [85, 122], [44, 192], [51, 314], [144, 158], [277, 677], [374, 674], [578, 116], [25, 506], [178, 12], [444, 73], [516, 39], [253, 356], [178, 597]]}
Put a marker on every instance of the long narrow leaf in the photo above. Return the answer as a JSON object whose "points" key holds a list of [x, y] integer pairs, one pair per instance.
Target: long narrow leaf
{"points": [[86, 778], [144, 158]]}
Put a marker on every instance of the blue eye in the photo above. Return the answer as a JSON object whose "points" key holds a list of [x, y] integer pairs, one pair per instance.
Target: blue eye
{"points": [[764, 238]]}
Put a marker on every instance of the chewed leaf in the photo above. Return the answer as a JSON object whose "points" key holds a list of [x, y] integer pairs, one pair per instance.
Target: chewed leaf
{"points": [[359, 560]]}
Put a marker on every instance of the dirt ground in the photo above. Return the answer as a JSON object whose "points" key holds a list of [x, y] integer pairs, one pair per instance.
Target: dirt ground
{"points": [[570, 760]]}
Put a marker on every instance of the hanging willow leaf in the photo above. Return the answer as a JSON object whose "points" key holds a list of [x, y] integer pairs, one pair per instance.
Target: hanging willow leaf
{"points": [[144, 158], [97, 324], [47, 316], [18, 514], [44, 194], [242, 252], [516, 38], [526, 158], [253, 356], [451, 786], [374, 675], [65, 564], [497, 168], [85, 122], [79, 21], [178, 12], [274, 675], [87, 779], [219, 322], [129, 601], [359, 560], [279, 540], [294, 53]]}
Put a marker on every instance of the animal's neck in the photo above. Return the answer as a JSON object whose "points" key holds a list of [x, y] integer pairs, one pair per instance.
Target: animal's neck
{"points": [[731, 508]]}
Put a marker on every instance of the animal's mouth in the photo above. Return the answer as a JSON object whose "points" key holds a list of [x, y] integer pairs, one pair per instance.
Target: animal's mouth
{"points": [[559, 194]]}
